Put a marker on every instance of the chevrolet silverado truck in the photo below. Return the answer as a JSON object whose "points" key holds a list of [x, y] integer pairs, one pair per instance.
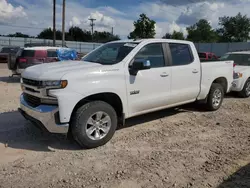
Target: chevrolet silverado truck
{"points": [[88, 99], [241, 83]]}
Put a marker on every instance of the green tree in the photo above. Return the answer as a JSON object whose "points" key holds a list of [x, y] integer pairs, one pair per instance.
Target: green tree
{"points": [[202, 31], [104, 37], [48, 34], [143, 28], [18, 34], [77, 34], [177, 35], [234, 29], [167, 36]]}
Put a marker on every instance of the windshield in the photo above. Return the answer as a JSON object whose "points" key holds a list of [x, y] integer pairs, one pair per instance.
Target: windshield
{"points": [[110, 53], [9, 50], [239, 59]]}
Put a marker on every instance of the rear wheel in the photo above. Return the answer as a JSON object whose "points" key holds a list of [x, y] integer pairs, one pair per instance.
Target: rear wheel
{"points": [[215, 97], [245, 92], [94, 124]]}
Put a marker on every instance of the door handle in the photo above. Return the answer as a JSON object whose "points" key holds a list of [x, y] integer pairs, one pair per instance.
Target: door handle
{"points": [[164, 74], [195, 71]]}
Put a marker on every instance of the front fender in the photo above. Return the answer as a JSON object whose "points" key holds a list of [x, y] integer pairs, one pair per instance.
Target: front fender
{"points": [[67, 100]]}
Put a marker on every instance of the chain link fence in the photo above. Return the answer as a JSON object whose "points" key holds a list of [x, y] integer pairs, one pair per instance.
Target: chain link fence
{"points": [[84, 47], [81, 47]]}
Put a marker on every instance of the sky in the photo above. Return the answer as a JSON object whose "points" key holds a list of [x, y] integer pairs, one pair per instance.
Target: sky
{"points": [[31, 16]]}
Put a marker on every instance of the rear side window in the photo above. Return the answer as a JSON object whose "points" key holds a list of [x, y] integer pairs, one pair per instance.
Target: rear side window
{"points": [[153, 53], [28, 53], [202, 55], [181, 54], [51, 53]]}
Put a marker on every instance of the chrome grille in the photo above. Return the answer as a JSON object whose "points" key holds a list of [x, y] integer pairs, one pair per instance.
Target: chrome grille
{"points": [[32, 82]]}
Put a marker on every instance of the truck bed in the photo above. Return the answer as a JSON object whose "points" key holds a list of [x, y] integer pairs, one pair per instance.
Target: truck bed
{"points": [[215, 69]]}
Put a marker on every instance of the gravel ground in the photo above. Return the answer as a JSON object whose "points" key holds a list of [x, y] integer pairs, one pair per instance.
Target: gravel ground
{"points": [[182, 147]]}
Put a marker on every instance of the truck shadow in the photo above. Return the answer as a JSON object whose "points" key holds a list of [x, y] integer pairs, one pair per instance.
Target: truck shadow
{"points": [[18, 133], [240, 179], [9, 79]]}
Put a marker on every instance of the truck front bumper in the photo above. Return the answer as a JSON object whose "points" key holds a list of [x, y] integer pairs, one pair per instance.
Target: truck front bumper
{"points": [[44, 116]]}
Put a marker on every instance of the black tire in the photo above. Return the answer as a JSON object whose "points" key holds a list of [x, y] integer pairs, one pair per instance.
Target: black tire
{"points": [[79, 123], [244, 93], [210, 105]]}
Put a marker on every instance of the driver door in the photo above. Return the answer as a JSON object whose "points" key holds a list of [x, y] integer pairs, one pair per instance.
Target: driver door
{"points": [[149, 90]]}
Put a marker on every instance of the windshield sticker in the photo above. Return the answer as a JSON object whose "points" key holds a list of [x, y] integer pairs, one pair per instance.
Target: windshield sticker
{"points": [[130, 45]]}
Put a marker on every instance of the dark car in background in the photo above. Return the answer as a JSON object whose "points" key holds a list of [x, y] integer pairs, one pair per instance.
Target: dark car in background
{"points": [[9, 53]]}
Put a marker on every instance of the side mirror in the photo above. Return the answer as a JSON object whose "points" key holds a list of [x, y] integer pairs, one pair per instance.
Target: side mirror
{"points": [[139, 64]]}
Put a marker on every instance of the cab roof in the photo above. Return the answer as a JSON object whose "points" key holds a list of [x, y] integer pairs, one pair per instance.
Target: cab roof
{"points": [[43, 48], [153, 40]]}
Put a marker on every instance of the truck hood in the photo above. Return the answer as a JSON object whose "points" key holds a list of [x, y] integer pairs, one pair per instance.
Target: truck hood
{"points": [[55, 71], [241, 69]]}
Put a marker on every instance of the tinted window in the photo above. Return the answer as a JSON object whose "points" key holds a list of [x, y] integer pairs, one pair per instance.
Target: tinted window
{"points": [[110, 53], [239, 59], [28, 53], [51, 53], [202, 55], [181, 54], [9, 50], [153, 53]]}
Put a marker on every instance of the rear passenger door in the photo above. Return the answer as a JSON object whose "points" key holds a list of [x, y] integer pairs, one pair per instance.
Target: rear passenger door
{"points": [[185, 71]]}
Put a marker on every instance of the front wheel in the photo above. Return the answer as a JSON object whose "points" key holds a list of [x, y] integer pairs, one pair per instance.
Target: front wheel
{"points": [[245, 92], [94, 124], [215, 97]]}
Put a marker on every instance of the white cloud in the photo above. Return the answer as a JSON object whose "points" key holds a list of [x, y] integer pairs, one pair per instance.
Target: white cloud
{"points": [[75, 21], [168, 17], [102, 20], [198, 11], [9, 13]]}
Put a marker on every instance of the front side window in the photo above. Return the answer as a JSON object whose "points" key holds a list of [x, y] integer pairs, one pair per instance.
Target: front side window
{"points": [[181, 54], [110, 53], [153, 53]]}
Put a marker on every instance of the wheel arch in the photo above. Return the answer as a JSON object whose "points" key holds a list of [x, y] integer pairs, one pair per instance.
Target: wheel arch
{"points": [[109, 97], [223, 82]]}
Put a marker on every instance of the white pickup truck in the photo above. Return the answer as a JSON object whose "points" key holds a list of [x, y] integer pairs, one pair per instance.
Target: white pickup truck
{"points": [[88, 99], [241, 83]]}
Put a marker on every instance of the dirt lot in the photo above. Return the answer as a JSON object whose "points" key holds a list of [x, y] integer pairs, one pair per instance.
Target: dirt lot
{"points": [[183, 147]]}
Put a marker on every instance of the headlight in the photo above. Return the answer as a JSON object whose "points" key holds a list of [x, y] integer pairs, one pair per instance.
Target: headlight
{"points": [[237, 75], [55, 84]]}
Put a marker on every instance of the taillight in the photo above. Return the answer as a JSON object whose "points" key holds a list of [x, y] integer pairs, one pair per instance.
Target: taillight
{"points": [[22, 60], [234, 64]]}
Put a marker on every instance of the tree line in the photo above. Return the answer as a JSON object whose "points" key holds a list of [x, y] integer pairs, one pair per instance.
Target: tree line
{"points": [[73, 34], [230, 29]]}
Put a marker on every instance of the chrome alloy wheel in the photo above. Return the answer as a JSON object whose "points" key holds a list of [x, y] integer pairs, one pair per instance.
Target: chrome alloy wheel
{"points": [[98, 125]]}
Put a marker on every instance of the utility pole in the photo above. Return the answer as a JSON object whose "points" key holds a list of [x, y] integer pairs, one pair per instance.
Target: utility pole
{"points": [[63, 24], [92, 26], [112, 31], [54, 22]]}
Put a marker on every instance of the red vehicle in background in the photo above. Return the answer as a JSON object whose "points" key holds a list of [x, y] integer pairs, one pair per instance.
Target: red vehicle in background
{"points": [[205, 56]]}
